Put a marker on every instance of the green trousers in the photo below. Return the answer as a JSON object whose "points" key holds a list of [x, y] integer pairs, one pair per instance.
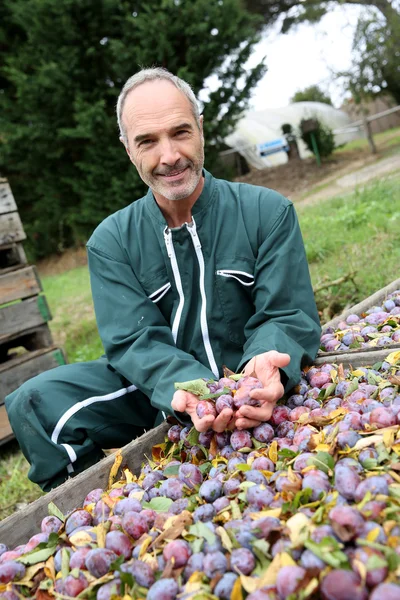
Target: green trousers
{"points": [[65, 417]]}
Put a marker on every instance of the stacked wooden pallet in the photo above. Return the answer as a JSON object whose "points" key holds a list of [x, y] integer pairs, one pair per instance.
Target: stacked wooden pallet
{"points": [[26, 344]]}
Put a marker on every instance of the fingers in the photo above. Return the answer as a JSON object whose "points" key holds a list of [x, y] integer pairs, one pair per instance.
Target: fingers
{"points": [[243, 423], [223, 420], [256, 413], [202, 424], [279, 359], [179, 401], [271, 393]]}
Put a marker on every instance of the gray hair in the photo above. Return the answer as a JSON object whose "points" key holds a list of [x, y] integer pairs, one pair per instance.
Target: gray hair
{"points": [[153, 74]]}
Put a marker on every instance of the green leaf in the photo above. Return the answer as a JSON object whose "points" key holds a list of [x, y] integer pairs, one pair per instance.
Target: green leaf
{"points": [[352, 387], [127, 578], [54, 511], [115, 565], [193, 437], [369, 464], [200, 530], [243, 467], [236, 376], [226, 390], [197, 545], [286, 453], [64, 562], [375, 562], [330, 390], [328, 550], [196, 386], [205, 467], [323, 461], [37, 556], [174, 470], [159, 504]]}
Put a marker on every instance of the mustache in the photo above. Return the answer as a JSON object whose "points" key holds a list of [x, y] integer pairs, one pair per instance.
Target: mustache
{"points": [[178, 166]]}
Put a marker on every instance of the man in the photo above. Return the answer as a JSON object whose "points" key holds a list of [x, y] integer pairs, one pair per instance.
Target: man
{"points": [[198, 274]]}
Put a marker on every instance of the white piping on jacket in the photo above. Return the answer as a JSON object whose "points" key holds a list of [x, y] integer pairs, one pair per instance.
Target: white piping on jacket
{"points": [[76, 408], [203, 313], [160, 293], [175, 269], [232, 273]]}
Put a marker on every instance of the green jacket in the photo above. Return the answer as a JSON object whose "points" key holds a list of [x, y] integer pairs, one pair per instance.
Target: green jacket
{"points": [[175, 305]]}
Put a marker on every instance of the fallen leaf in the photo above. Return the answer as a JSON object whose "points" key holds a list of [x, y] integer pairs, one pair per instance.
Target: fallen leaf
{"points": [[115, 468]]}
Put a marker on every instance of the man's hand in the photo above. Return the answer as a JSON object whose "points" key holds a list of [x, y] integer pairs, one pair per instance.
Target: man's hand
{"points": [[266, 367], [187, 402]]}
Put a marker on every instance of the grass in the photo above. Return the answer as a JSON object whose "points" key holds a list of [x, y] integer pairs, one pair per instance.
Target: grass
{"points": [[358, 232], [384, 141], [355, 233]]}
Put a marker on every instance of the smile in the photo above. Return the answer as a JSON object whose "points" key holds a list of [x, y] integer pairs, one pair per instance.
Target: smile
{"points": [[175, 174]]}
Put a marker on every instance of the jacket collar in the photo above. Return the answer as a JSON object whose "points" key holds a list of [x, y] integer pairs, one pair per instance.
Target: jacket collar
{"points": [[202, 202]]}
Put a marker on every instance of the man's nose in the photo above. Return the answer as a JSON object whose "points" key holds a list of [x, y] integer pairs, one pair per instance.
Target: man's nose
{"points": [[169, 152]]}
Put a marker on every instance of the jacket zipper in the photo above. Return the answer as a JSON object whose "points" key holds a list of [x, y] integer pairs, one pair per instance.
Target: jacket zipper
{"points": [[171, 254], [232, 273], [203, 313]]}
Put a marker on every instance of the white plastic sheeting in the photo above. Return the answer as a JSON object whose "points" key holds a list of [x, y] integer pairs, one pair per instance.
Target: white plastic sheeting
{"points": [[257, 127]]}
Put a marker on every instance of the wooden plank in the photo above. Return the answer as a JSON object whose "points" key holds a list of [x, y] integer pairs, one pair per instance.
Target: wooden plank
{"points": [[22, 316], [12, 257], [6, 433], [19, 527], [15, 372], [7, 202], [11, 229], [20, 284], [356, 359], [373, 300], [31, 339]]}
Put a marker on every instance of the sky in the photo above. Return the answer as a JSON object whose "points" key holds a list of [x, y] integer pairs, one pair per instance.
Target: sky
{"points": [[303, 57]]}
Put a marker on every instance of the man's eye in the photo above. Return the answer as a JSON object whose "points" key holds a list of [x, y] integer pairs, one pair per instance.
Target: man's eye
{"points": [[145, 142], [182, 132]]}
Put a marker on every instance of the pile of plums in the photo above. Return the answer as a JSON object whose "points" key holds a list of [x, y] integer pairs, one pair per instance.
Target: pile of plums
{"points": [[304, 506], [378, 327]]}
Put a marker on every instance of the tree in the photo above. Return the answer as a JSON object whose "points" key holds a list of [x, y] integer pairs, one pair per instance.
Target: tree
{"points": [[311, 94], [64, 63], [376, 61], [300, 11]]}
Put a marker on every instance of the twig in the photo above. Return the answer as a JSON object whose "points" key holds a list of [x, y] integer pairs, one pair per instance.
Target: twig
{"points": [[323, 286]]}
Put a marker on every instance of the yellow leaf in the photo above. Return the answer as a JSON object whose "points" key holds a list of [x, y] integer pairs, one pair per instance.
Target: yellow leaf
{"points": [[395, 476], [49, 568], [357, 373], [269, 577], [114, 468], [249, 583], [30, 574], [101, 535], [196, 577], [373, 534], [273, 451], [299, 528], [371, 440], [225, 539], [236, 593], [81, 538], [129, 476], [311, 587], [393, 358], [361, 568], [272, 512], [334, 375], [323, 448], [388, 437], [145, 544], [150, 560]]}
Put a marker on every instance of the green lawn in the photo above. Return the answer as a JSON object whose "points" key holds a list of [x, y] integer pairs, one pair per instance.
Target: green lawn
{"points": [[357, 233]]}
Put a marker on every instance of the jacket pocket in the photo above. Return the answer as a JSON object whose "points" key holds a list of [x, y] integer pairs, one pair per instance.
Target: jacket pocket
{"points": [[160, 293], [159, 290], [234, 285]]}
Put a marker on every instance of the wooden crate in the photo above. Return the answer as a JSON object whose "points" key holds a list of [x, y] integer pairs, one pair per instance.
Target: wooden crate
{"points": [[16, 371], [26, 344], [18, 528], [373, 300]]}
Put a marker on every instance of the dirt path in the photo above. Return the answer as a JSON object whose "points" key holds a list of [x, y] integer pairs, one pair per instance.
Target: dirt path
{"points": [[345, 183]]}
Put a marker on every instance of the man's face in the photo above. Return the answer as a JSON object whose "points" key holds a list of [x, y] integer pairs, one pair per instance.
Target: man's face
{"points": [[164, 141]]}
